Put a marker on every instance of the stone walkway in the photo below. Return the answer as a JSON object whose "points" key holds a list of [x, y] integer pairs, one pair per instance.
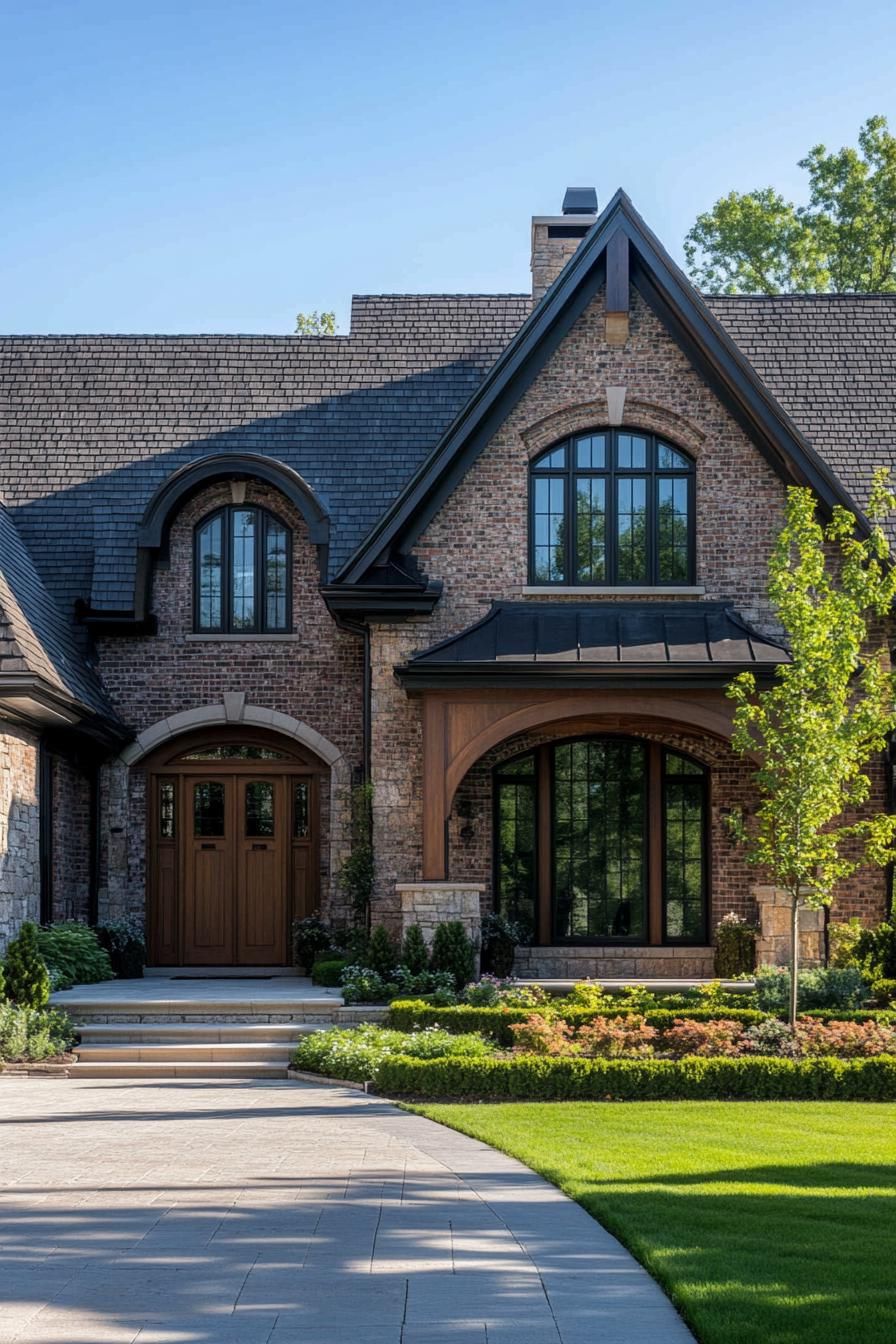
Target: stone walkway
{"points": [[180, 1212]]}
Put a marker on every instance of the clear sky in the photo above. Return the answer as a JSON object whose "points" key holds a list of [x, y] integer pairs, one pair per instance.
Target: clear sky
{"points": [[207, 165]]}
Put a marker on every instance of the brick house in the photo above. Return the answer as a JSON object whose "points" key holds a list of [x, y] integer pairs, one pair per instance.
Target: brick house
{"points": [[498, 553]]}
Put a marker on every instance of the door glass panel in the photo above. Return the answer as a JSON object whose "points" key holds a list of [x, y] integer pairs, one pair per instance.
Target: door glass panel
{"points": [[208, 808], [591, 537], [683, 857], [300, 827], [260, 807], [550, 539], [243, 523], [516, 850], [209, 565], [600, 810], [166, 809], [631, 527]]}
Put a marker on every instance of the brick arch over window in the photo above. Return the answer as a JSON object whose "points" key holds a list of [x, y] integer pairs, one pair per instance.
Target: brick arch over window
{"points": [[169, 499], [231, 712], [636, 411]]}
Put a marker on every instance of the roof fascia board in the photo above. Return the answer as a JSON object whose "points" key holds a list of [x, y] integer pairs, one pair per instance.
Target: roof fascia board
{"points": [[572, 676]]}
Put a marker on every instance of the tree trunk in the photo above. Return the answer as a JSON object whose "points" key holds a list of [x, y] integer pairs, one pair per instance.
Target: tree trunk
{"points": [[794, 957]]}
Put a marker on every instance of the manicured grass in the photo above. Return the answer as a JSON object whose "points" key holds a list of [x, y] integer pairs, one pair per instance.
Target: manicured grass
{"points": [[767, 1223]]}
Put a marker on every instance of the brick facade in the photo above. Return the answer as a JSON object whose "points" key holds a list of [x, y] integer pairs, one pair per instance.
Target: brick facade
{"points": [[315, 675], [477, 547], [19, 830], [71, 869]]}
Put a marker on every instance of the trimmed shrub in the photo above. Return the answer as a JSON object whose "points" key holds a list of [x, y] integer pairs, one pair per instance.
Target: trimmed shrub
{"points": [[124, 941], [73, 954], [356, 1053], [542, 1036], [707, 1039], [382, 954], [310, 937], [735, 952], [876, 951], [884, 992], [27, 977], [533, 1078], [823, 987], [30, 1034], [328, 973], [454, 952], [414, 952], [844, 938], [612, 1037], [846, 1040], [500, 939]]}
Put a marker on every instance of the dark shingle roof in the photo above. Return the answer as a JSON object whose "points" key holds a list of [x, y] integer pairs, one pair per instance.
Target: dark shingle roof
{"points": [[33, 636], [90, 426], [830, 360]]}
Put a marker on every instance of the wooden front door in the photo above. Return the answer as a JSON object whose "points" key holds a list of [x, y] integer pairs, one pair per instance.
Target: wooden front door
{"points": [[233, 854]]}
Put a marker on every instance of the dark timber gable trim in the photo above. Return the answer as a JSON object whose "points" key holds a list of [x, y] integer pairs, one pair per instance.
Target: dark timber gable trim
{"points": [[678, 305]]}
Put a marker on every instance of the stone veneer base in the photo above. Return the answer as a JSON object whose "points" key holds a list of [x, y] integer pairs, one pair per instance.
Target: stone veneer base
{"points": [[613, 963]]}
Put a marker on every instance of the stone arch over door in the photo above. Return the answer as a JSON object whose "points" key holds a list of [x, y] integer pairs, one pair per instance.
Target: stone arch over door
{"points": [[234, 752]]}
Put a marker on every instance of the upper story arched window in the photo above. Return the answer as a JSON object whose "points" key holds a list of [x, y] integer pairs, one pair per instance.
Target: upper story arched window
{"points": [[608, 508], [241, 568]]}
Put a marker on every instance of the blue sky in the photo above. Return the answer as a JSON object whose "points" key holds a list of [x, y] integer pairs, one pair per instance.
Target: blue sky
{"points": [[198, 166]]}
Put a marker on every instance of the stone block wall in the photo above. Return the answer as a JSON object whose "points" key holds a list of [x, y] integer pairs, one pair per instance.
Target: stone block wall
{"points": [[314, 675], [19, 830], [773, 941], [432, 903]]}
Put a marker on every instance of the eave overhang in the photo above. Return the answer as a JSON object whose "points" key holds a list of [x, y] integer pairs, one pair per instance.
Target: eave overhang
{"points": [[30, 700], [380, 602]]}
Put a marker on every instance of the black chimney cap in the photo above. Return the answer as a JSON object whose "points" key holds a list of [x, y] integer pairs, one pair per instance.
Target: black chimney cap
{"points": [[580, 201]]}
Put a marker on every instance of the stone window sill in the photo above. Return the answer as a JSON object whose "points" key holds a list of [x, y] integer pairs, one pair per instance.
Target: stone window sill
{"points": [[242, 639], [664, 590]]}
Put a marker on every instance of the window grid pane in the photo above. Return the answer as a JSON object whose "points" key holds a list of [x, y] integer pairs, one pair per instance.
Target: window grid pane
{"points": [[683, 858], [631, 529], [516, 851], [631, 451], [591, 529], [672, 528], [208, 809], [300, 823], [260, 808], [243, 526], [275, 575], [210, 561], [591, 453], [166, 809], [550, 530]]}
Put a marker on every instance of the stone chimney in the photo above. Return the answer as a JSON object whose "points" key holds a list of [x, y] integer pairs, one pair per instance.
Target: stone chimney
{"points": [[556, 237]]}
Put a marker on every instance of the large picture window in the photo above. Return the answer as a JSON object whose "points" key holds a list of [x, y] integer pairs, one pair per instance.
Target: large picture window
{"points": [[612, 508], [242, 573], [603, 840]]}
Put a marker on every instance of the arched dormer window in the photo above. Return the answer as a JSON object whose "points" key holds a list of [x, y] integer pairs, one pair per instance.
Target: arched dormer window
{"points": [[242, 567], [611, 508]]}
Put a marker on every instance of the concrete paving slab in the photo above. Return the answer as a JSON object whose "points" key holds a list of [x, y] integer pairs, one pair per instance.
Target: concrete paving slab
{"points": [[187, 1212]]}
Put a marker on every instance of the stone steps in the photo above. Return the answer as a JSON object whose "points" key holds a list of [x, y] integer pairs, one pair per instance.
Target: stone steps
{"points": [[247, 1069]]}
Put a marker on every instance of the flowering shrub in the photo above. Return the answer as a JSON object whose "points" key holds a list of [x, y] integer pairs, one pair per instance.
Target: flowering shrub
{"points": [[771, 1037], [542, 1036], [616, 1037], [721, 1037], [847, 1040], [487, 992], [525, 996]]}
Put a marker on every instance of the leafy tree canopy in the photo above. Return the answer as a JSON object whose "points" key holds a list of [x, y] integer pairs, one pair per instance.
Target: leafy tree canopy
{"points": [[315, 324], [842, 242]]}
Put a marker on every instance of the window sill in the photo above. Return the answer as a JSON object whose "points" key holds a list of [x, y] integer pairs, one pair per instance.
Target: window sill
{"points": [[241, 639], [664, 590]]}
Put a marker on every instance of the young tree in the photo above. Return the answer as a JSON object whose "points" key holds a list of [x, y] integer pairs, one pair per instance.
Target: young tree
{"points": [[829, 711], [315, 324], [843, 241], [27, 978]]}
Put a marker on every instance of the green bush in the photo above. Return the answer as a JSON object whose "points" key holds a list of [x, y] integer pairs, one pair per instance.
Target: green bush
{"points": [[357, 1053], [124, 941], [73, 954], [310, 937], [500, 938], [844, 938], [405, 1014], [414, 952], [735, 952], [884, 992], [540, 1078], [823, 987], [382, 954], [27, 977], [876, 952], [328, 973], [29, 1034], [884, 1016], [454, 952]]}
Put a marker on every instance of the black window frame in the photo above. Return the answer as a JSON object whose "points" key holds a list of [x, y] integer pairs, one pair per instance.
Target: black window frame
{"points": [[700, 783], [611, 473], [260, 625]]}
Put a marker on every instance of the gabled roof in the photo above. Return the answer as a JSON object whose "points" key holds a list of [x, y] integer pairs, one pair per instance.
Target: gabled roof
{"points": [[597, 643], [691, 323], [40, 666]]}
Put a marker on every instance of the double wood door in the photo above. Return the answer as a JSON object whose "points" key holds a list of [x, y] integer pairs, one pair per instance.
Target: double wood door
{"points": [[232, 863]]}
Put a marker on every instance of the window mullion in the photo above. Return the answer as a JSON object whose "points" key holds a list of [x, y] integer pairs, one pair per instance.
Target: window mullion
{"points": [[227, 571]]}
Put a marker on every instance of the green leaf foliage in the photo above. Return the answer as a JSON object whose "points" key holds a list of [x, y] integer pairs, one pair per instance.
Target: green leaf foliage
{"points": [[315, 324], [73, 954], [842, 241], [27, 977], [542, 1078], [414, 952], [31, 1034], [382, 954], [453, 951]]}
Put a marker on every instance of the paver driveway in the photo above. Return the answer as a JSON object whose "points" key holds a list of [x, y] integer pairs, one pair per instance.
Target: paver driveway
{"points": [[241, 1213]]}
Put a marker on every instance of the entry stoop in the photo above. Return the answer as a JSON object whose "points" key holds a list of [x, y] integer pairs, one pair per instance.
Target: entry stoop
{"points": [[167, 1028]]}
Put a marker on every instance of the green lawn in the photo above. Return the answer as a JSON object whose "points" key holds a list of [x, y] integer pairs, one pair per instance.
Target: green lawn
{"points": [[767, 1223]]}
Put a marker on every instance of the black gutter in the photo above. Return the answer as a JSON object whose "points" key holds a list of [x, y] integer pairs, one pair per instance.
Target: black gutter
{"points": [[573, 676]]}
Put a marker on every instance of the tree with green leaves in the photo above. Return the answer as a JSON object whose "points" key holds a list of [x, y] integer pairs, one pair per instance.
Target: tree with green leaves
{"points": [[27, 977], [315, 324], [842, 242], [829, 712]]}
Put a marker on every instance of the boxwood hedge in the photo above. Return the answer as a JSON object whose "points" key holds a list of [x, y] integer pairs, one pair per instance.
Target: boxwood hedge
{"points": [[539, 1078]]}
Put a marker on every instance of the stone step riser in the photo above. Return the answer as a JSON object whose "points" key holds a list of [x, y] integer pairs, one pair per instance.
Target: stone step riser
{"points": [[343, 1017], [193, 1033], [211, 1053], [247, 1069]]}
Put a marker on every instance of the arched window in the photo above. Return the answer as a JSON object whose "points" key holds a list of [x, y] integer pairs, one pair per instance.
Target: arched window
{"points": [[242, 570], [612, 508], [603, 840]]}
